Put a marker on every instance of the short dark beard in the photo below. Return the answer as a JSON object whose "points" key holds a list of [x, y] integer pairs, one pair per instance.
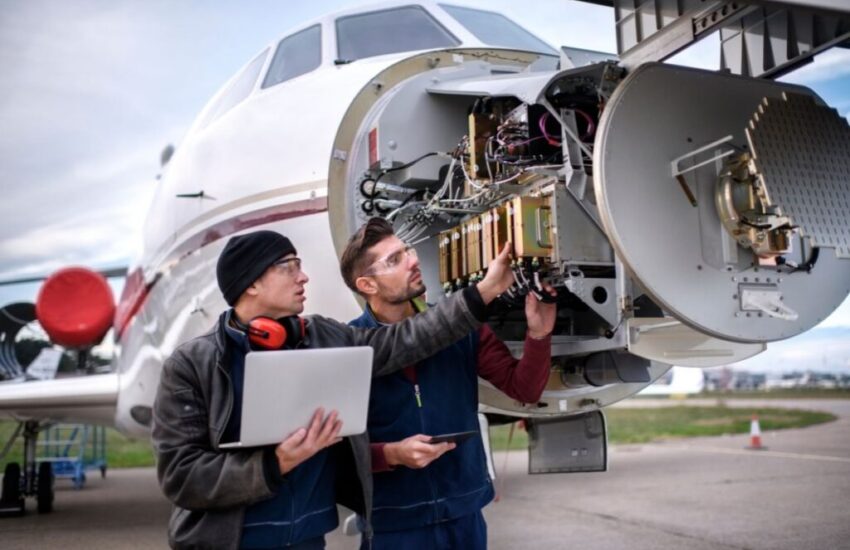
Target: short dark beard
{"points": [[406, 297]]}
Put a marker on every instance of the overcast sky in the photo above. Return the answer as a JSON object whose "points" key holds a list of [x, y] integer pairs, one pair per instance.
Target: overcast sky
{"points": [[92, 90]]}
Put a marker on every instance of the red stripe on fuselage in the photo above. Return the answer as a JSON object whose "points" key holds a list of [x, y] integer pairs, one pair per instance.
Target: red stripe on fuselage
{"points": [[256, 218], [221, 230]]}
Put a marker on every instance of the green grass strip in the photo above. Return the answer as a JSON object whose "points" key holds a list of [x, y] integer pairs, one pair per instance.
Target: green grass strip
{"points": [[780, 393], [655, 424], [624, 426], [121, 452]]}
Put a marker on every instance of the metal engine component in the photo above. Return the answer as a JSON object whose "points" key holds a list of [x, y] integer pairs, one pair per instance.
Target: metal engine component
{"points": [[646, 266], [745, 209], [801, 154], [466, 250], [733, 275], [764, 197]]}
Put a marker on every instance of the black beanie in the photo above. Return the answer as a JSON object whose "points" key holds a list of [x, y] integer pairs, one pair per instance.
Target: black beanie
{"points": [[245, 258]]}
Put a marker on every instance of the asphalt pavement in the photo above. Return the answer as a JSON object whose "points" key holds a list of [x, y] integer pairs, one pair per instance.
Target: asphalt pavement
{"points": [[702, 493]]}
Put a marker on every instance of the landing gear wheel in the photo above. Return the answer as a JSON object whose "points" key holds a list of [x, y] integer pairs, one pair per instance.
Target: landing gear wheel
{"points": [[11, 499], [44, 488], [11, 482]]}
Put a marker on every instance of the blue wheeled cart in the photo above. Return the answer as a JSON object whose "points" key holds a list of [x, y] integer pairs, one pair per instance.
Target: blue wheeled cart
{"points": [[72, 449]]}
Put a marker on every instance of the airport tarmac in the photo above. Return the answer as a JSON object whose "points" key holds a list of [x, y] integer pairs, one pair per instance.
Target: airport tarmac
{"points": [[703, 493]]}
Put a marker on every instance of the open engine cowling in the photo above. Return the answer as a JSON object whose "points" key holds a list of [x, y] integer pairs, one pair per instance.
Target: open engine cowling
{"points": [[617, 188]]}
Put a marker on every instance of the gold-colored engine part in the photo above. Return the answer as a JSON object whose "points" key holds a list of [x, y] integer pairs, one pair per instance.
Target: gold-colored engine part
{"points": [[464, 251], [473, 245], [469, 248], [502, 229], [746, 211], [494, 233], [444, 240], [456, 254], [531, 221], [481, 128], [487, 239]]}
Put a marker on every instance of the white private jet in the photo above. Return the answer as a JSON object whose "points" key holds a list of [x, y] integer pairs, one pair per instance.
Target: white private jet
{"points": [[676, 383], [686, 216]]}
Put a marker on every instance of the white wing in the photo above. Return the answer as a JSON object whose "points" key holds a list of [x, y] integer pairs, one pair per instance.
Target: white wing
{"points": [[89, 399]]}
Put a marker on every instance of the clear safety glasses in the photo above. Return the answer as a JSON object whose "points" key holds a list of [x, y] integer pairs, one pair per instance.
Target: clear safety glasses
{"points": [[288, 266], [391, 261]]}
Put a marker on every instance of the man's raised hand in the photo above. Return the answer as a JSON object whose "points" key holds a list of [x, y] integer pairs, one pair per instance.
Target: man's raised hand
{"points": [[499, 276], [540, 316]]}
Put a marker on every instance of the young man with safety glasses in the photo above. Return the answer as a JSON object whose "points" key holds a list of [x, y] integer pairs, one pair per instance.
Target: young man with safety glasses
{"points": [[430, 495], [281, 495]]}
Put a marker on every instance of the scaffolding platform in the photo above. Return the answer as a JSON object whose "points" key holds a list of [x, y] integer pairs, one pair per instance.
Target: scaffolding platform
{"points": [[72, 450]]}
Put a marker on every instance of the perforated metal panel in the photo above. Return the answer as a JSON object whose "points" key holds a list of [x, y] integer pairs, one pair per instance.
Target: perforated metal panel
{"points": [[802, 150], [679, 251]]}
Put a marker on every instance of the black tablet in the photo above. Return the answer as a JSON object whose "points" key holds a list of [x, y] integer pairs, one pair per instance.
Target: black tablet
{"points": [[452, 438]]}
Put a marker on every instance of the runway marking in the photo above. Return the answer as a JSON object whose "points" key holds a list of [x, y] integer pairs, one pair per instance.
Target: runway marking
{"points": [[775, 454]]}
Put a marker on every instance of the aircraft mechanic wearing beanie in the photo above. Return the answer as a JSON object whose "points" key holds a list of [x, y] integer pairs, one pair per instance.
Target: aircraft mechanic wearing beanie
{"points": [[245, 258]]}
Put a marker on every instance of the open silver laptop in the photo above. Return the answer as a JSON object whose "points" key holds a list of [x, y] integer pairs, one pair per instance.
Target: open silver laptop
{"points": [[283, 389]]}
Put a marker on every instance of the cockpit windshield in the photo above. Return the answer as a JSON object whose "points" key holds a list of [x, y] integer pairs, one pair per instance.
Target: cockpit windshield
{"points": [[497, 30], [403, 29]]}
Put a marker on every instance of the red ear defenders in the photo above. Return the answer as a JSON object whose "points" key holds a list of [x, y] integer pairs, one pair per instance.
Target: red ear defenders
{"points": [[283, 333]]}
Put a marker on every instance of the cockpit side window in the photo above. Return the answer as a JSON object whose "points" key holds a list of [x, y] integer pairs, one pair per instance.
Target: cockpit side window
{"points": [[297, 54], [239, 89], [403, 29], [497, 30]]}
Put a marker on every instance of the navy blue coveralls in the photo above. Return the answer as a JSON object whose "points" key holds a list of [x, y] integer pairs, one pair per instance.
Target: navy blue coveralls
{"points": [[438, 506], [304, 508]]}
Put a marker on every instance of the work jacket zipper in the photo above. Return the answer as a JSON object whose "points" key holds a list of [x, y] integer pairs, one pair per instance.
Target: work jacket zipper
{"points": [[413, 377]]}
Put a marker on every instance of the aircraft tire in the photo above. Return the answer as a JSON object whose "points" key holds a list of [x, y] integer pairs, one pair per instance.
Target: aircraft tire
{"points": [[11, 495], [44, 488]]}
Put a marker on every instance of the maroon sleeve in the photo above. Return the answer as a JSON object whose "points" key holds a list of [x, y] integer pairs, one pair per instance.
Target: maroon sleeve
{"points": [[522, 379], [379, 461]]}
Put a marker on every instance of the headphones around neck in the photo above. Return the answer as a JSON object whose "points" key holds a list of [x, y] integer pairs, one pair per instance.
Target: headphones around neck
{"points": [[265, 333]]}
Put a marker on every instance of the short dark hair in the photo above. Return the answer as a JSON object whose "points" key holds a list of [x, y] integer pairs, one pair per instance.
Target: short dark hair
{"points": [[356, 256]]}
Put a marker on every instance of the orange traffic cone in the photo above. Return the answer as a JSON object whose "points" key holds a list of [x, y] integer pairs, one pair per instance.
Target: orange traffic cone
{"points": [[755, 435]]}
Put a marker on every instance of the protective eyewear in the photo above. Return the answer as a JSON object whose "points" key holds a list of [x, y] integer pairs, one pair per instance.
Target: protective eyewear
{"points": [[391, 261], [288, 266]]}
